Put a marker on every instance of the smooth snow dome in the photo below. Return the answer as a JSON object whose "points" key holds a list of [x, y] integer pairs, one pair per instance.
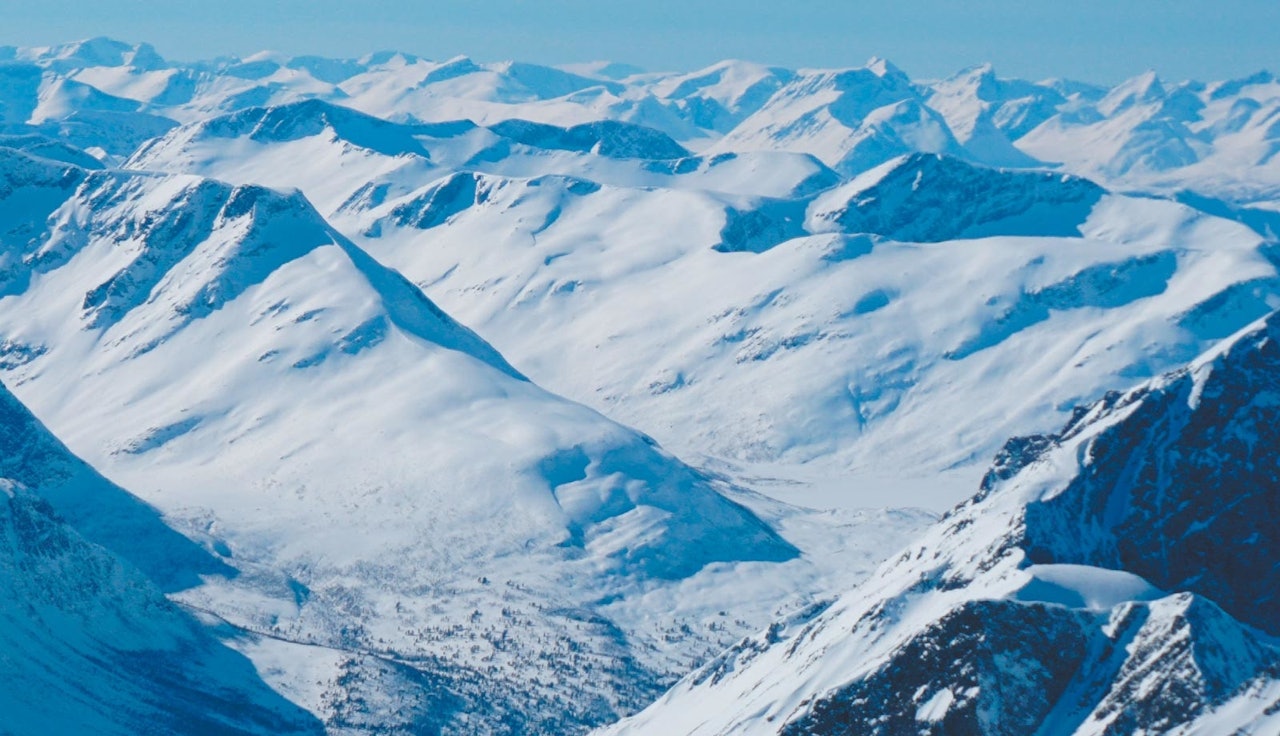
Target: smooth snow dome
{"points": [[473, 397]]}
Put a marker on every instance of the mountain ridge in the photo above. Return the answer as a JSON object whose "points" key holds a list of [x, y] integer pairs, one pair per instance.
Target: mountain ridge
{"points": [[1110, 639]]}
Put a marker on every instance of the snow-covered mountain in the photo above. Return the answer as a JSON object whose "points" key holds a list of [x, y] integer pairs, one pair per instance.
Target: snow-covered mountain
{"points": [[846, 315], [1117, 577], [388, 489], [1143, 133], [320, 314], [852, 119]]}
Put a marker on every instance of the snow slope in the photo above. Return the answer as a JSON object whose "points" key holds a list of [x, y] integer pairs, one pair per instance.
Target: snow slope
{"points": [[89, 644], [844, 316], [1114, 578], [387, 487]]}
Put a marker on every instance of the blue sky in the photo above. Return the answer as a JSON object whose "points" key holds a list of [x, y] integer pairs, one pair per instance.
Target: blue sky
{"points": [[1094, 40]]}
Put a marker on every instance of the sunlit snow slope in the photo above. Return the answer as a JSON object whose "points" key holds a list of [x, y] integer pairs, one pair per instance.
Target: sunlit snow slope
{"points": [[759, 313], [385, 484]]}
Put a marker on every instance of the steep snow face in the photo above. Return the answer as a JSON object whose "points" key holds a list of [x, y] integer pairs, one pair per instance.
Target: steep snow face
{"points": [[381, 479], [842, 319], [1114, 578]]}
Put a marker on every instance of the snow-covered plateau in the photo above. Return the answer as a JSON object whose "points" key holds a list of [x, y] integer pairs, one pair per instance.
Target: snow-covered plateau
{"points": [[399, 396]]}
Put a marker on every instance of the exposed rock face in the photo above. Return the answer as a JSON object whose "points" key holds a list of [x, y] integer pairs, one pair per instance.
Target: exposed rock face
{"points": [[1185, 490], [1117, 577]]}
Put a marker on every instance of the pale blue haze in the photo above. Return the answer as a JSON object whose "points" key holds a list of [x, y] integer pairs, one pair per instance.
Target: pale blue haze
{"points": [[1096, 40]]}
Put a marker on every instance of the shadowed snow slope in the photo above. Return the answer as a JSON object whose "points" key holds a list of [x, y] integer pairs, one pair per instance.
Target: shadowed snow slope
{"points": [[99, 510], [376, 473], [1118, 577], [89, 644]]}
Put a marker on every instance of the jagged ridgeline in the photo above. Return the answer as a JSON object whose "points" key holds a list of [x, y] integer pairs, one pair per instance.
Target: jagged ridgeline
{"points": [[1117, 577]]}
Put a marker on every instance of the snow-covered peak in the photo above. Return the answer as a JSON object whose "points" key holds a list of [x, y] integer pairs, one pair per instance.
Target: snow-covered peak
{"points": [[225, 351], [549, 82], [720, 96], [1141, 133], [1144, 89], [305, 119], [614, 70], [390, 58], [882, 67], [94, 52], [851, 119], [833, 286]]}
